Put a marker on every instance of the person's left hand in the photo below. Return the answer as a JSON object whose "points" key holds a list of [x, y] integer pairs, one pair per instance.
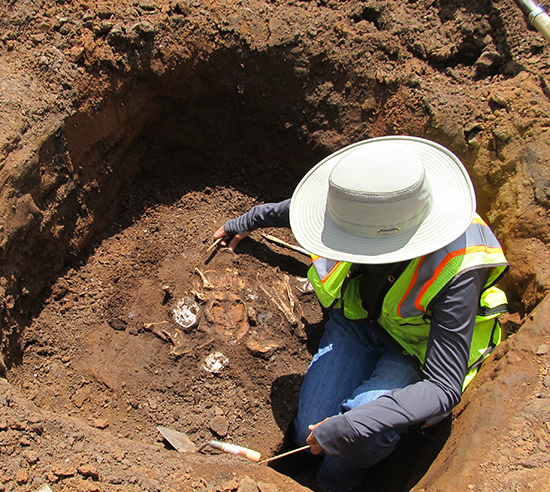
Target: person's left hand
{"points": [[227, 240], [315, 447]]}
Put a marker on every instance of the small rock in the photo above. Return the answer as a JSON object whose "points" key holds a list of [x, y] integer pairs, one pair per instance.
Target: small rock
{"points": [[232, 484], [25, 441], [148, 7], [65, 29], [498, 97], [22, 476], [118, 324], [262, 347], [144, 29], [103, 28], [81, 395], [152, 404], [37, 428], [116, 35], [88, 16], [18, 425], [247, 485], [45, 26], [488, 60], [510, 322], [181, 8], [37, 38], [63, 471], [542, 349], [105, 12], [31, 456], [100, 423], [219, 425], [89, 471], [528, 463]]}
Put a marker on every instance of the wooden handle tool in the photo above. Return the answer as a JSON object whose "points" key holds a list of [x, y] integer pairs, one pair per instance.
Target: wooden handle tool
{"points": [[276, 240], [284, 454], [213, 245], [234, 449]]}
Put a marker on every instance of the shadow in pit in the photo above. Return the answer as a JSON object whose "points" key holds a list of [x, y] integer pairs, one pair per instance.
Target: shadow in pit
{"points": [[399, 472], [410, 461]]}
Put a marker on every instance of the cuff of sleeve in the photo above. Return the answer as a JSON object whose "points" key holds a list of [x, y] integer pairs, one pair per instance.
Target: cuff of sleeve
{"points": [[231, 227], [335, 435]]}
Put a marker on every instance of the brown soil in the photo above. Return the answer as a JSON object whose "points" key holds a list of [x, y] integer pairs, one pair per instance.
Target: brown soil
{"points": [[129, 131]]}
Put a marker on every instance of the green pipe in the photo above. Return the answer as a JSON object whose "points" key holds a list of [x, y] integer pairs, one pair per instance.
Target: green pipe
{"points": [[536, 16]]}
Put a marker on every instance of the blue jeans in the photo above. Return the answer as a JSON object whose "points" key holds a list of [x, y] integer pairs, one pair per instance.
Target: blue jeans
{"points": [[351, 367]]}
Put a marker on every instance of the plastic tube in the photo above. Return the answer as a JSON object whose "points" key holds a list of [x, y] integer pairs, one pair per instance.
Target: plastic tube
{"points": [[541, 22], [536, 16]]}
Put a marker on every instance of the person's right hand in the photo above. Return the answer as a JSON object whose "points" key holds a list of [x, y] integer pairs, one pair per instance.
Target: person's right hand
{"points": [[314, 446], [227, 240]]}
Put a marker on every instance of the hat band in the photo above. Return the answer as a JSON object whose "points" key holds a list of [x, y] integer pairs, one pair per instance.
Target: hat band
{"points": [[377, 215]]}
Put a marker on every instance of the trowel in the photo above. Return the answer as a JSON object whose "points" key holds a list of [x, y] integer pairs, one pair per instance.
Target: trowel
{"points": [[178, 440], [184, 445]]}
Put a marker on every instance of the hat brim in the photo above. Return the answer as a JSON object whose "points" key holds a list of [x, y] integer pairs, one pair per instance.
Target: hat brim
{"points": [[452, 211]]}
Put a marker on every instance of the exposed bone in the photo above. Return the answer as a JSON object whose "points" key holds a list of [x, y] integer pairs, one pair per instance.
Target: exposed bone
{"points": [[281, 305], [262, 346], [238, 319], [294, 302], [292, 312], [251, 314], [204, 344], [156, 329], [304, 285], [178, 340], [219, 315], [208, 312], [147, 326], [199, 295], [291, 299], [206, 283]]}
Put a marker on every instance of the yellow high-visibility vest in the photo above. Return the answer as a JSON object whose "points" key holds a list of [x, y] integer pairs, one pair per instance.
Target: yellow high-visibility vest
{"points": [[406, 312]]}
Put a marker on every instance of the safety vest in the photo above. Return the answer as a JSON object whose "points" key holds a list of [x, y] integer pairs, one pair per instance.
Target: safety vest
{"points": [[405, 312]]}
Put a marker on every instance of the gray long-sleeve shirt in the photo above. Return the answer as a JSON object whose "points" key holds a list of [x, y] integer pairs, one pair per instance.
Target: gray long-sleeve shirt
{"points": [[445, 366]]}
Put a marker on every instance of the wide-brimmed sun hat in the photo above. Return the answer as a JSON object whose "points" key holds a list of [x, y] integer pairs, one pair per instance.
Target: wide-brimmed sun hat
{"points": [[383, 200]]}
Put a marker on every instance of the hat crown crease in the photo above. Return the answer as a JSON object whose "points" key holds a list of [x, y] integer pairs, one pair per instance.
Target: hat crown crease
{"points": [[377, 197]]}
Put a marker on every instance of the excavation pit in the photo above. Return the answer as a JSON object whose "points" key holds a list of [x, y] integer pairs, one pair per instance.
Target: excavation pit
{"points": [[107, 344], [104, 345], [164, 129]]}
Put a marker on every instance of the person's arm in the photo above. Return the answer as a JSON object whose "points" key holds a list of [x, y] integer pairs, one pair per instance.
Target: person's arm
{"points": [[445, 367], [260, 216]]}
